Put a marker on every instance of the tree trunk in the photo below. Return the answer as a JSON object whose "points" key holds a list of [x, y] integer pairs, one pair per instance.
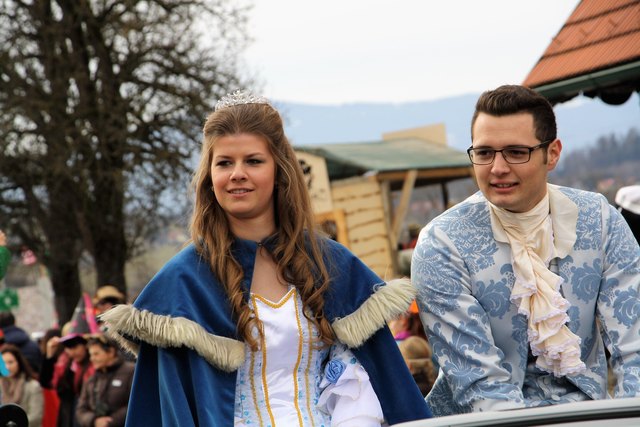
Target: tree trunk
{"points": [[66, 285], [60, 225], [109, 241]]}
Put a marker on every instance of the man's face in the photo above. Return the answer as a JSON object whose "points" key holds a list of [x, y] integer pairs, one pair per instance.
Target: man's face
{"points": [[514, 187]]}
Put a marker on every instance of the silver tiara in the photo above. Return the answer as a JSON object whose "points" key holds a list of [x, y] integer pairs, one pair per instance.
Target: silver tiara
{"points": [[240, 97]]}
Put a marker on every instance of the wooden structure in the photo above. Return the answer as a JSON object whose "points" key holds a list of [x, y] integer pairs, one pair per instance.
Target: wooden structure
{"points": [[356, 198], [596, 53]]}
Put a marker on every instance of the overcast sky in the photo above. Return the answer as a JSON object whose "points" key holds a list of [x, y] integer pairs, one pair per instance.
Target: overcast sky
{"points": [[345, 51]]}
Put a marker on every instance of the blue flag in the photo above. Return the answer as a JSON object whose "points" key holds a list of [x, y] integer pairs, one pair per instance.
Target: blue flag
{"points": [[3, 368]]}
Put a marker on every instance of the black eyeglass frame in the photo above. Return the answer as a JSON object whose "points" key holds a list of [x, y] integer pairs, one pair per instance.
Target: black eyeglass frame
{"points": [[470, 151]]}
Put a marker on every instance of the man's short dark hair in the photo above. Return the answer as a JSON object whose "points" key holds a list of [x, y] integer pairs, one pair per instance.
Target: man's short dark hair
{"points": [[512, 99]]}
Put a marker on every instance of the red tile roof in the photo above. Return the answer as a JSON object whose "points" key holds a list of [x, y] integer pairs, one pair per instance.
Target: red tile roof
{"points": [[599, 34]]}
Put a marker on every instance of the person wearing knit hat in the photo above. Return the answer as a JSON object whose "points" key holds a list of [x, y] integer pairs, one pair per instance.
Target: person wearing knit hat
{"points": [[14, 334]]}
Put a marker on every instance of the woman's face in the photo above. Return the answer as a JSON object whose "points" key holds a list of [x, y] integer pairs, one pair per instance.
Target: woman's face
{"points": [[11, 363], [78, 352], [101, 358], [243, 172]]}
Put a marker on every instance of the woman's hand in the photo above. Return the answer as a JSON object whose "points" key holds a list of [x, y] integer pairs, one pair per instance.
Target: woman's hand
{"points": [[102, 422], [52, 346]]}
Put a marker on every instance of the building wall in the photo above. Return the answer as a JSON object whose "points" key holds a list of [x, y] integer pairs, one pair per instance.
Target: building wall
{"points": [[361, 201]]}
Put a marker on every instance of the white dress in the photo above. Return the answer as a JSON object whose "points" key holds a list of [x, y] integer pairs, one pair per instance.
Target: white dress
{"points": [[289, 382]]}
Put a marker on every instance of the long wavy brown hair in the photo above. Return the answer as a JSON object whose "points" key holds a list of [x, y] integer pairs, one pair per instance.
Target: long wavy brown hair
{"points": [[23, 365], [298, 250]]}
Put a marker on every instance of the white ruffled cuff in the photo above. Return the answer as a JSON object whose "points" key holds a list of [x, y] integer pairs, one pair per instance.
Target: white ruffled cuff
{"points": [[348, 396]]}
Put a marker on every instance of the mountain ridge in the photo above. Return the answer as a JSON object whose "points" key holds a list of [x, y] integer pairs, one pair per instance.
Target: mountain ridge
{"points": [[580, 122]]}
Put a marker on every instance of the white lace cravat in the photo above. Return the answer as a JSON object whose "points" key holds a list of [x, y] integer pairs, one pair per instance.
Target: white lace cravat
{"points": [[537, 289]]}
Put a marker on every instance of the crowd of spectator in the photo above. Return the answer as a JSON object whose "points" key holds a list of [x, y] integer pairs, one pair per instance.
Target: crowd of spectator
{"points": [[68, 377]]}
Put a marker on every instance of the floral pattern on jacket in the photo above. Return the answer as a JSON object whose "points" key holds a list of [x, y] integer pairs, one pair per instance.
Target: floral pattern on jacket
{"points": [[464, 280]]}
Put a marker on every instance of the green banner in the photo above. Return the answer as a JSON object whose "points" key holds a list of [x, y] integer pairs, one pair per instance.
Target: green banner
{"points": [[8, 299]]}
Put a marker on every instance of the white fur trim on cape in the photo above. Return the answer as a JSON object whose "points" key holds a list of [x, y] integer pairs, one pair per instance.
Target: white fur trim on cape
{"points": [[387, 303], [125, 322]]}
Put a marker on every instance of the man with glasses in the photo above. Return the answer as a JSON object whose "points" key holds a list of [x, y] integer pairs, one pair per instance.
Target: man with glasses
{"points": [[527, 290]]}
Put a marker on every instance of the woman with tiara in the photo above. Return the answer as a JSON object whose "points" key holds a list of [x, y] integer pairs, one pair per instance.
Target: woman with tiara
{"points": [[260, 320]]}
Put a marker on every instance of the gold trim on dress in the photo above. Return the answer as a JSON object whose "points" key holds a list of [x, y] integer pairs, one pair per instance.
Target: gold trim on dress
{"points": [[263, 347], [295, 369], [278, 304], [283, 301], [308, 370], [254, 392]]}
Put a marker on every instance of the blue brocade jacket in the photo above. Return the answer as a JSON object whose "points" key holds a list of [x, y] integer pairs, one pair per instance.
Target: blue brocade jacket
{"points": [[464, 278]]}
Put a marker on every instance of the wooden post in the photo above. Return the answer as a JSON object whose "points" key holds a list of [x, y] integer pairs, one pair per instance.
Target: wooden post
{"points": [[403, 206]]}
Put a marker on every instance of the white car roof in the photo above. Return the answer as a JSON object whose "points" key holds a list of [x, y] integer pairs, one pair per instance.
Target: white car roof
{"points": [[592, 413]]}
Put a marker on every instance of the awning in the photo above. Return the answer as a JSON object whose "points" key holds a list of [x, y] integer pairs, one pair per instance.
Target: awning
{"points": [[596, 53]]}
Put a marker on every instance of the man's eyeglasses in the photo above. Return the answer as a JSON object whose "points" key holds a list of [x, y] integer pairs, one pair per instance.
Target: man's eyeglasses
{"points": [[513, 155]]}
